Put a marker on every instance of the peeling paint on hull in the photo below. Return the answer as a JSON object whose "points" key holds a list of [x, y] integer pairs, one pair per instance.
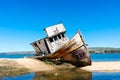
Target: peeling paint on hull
{"points": [[74, 52]]}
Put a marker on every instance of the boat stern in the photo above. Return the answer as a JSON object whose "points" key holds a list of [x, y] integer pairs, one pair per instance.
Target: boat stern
{"points": [[78, 58]]}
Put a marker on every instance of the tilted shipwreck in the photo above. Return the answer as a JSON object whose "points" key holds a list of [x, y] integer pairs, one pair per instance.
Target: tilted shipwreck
{"points": [[57, 47]]}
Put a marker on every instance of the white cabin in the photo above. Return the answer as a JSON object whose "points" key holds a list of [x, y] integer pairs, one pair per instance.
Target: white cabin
{"points": [[56, 38]]}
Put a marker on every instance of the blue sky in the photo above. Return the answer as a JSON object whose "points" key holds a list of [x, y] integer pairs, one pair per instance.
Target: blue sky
{"points": [[23, 21]]}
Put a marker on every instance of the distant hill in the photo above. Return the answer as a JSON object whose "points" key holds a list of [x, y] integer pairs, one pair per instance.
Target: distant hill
{"points": [[91, 50], [103, 50], [21, 52]]}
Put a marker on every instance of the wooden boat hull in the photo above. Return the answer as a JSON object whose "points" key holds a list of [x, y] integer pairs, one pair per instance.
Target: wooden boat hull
{"points": [[78, 58], [74, 52]]}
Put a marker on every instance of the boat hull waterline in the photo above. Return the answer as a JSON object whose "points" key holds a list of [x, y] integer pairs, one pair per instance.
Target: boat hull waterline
{"points": [[74, 52]]}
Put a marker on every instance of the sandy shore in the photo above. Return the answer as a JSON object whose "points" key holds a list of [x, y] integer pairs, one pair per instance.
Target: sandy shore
{"points": [[104, 66], [37, 65], [28, 63], [34, 64]]}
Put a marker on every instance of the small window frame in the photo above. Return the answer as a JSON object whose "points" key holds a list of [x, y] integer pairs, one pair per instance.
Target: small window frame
{"points": [[51, 39]]}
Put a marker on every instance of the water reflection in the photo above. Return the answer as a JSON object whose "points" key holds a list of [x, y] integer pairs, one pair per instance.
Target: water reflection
{"points": [[60, 74], [28, 76], [64, 74]]}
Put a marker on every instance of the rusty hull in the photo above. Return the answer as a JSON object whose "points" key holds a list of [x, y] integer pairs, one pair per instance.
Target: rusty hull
{"points": [[74, 52]]}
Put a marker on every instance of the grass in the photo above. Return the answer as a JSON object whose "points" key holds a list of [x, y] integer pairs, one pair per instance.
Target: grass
{"points": [[48, 62], [12, 71]]}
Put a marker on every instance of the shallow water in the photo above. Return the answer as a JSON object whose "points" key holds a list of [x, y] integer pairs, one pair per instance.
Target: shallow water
{"points": [[105, 75], [15, 55], [28, 76], [94, 57], [105, 57], [70, 74], [67, 74]]}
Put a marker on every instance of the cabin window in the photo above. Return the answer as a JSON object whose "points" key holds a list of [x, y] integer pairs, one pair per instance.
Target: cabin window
{"points": [[83, 53], [39, 42], [35, 44], [55, 37], [80, 55], [51, 39], [63, 35], [59, 36]]}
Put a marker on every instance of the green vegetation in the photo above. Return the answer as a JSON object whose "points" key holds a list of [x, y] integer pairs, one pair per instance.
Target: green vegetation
{"points": [[48, 62], [53, 62], [12, 71]]}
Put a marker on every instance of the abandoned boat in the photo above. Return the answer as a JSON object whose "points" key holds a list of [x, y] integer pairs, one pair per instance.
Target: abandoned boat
{"points": [[56, 46]]}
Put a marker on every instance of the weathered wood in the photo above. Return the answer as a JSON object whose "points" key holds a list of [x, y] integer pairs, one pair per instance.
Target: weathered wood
{"points": [[74, 52], [56, 38]]}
